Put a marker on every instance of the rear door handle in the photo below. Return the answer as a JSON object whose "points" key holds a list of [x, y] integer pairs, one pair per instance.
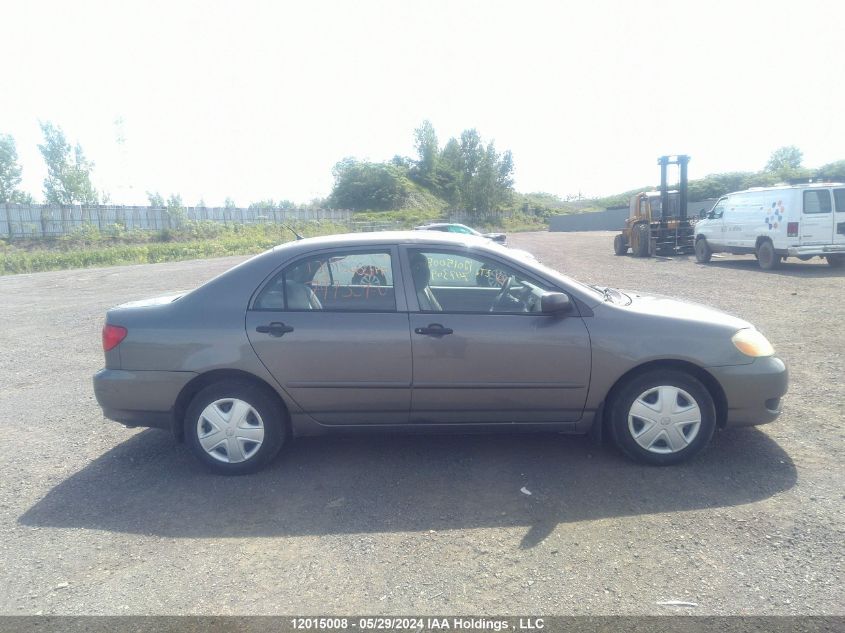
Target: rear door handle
{"points": [[274, 329], [433, 329]]}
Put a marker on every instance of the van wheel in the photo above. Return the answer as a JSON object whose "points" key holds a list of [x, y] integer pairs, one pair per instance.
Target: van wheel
{"points": [[766, 256], [836, 261], [702, 251], [662, 417], [234, 428], [620, 245]]}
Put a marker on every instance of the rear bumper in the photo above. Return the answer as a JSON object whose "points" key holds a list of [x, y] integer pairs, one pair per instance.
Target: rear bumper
{"points": [[754, 392], [140, 398], [818, 249]]}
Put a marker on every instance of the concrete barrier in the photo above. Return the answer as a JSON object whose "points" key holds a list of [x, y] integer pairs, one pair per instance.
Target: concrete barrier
{"points": [[612, 219]]}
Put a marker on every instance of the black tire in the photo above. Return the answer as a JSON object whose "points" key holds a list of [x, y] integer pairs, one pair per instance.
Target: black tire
{"points": [[620, 245], [261, 402], [766, 256], [627, 395], [702, 251], [836, 261], [643, 240]]}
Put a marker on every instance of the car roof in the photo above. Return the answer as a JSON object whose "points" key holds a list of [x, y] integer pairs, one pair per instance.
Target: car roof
{"points": [[380, 238], [783, 187], [434, 224]]}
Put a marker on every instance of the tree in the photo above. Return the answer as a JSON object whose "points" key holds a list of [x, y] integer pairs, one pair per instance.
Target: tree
{"points": [[229, 204], [176, 210], [788, 157], [473, 176], [68, 171], [155, 198], [174, 201], [425, 142], [833, 171], [449, 169], [10, 173], [361, 185]]}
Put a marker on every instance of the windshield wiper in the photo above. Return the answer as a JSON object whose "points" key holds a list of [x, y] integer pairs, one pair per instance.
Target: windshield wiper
{"points": [[604, 290]]}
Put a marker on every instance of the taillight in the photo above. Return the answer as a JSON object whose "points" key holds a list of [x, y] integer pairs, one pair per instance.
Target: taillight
{"points": [[792, 229], [112, 336]]}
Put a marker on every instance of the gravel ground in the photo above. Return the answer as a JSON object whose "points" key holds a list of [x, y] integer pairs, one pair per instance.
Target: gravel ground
{"points": [[98, 519]]}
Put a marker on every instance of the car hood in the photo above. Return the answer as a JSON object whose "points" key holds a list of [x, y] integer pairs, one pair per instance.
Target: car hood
{"points": [[658, 305]]}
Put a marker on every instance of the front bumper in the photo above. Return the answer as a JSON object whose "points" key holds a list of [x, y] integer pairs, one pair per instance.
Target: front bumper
{"points": [[753, 392], [140, 398]]}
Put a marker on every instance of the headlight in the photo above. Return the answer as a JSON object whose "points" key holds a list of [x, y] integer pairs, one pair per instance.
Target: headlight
{"points": [[752, 343]]}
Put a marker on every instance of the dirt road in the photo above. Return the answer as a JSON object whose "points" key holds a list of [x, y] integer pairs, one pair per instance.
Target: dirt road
{"points": [[98, 519]]}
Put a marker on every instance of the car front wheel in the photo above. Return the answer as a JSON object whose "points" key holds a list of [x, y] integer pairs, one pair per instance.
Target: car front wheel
{"points": [[662, 417], [702, 251], [234, 428]]}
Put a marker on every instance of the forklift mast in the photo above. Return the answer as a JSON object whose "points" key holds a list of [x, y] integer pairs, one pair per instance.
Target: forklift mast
{"points": [[681, 160]]}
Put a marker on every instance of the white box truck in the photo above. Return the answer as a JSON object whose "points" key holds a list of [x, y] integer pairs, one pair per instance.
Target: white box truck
{"points": [[774, 223]]}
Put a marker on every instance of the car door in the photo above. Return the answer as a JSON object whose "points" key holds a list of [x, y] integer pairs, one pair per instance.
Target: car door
{"points": [[817, 218], [839, 216], [477, 359], [332, 330]]}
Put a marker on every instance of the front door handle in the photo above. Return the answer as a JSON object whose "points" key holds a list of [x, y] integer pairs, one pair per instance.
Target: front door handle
{"points": [[433, 329], [274, 329]]}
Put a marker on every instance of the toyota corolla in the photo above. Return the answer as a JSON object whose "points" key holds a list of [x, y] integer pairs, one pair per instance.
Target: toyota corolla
{"points": [[423, 331]]}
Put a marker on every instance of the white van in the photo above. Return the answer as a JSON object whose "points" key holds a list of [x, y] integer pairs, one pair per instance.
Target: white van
{"points": [[773, 223]]}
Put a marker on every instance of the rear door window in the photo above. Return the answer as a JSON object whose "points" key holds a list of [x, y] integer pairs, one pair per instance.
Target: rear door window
{"points": [[817, 201], [356, 281]]}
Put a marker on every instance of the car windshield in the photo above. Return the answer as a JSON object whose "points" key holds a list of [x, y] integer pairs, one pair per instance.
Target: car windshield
{"points": [[465, 229]]}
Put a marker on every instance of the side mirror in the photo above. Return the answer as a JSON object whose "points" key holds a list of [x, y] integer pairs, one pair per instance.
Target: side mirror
{"points": [[702, 213], [555, 303]]}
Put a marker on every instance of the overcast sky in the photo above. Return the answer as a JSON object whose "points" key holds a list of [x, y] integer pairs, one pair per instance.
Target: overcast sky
{"points": [[256, 100]]}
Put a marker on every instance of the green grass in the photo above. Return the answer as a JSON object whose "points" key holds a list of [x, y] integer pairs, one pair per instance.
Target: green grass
{"points": [[88, 246]]}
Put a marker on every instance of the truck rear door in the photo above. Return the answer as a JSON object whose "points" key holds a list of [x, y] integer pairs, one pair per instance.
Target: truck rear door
{"points": [[839, 216], [817, 217]]}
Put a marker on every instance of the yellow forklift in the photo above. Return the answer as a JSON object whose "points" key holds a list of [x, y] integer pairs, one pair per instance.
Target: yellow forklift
{"points": [[657, 221]]}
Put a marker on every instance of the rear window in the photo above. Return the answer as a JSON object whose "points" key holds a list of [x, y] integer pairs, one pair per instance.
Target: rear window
{"points": [[817, 201]]}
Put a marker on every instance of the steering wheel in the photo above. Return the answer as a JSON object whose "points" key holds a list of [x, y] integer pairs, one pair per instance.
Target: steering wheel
{"points": [[498, 302]]}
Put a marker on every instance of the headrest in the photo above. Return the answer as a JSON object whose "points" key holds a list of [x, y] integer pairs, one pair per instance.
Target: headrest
{"points": [[420, 270]]}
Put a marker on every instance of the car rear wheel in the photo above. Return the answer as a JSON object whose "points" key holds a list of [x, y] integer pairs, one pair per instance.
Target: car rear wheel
{"points": [[702, 251], [662, 417], [836, 261], [234, 428], [766, 256]]}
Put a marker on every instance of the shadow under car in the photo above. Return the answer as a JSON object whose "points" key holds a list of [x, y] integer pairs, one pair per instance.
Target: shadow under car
{"points": [[380, 483]]}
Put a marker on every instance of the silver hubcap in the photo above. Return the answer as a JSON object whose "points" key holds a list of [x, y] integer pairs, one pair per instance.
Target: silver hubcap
{"points": [[230, 430], [664, 419]]}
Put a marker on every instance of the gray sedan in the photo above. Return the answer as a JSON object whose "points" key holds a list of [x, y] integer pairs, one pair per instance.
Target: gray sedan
{"points": [[423, 331]]}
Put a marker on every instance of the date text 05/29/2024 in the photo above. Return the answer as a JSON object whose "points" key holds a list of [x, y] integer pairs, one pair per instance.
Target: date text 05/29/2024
{"points": [[384, 623]]}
